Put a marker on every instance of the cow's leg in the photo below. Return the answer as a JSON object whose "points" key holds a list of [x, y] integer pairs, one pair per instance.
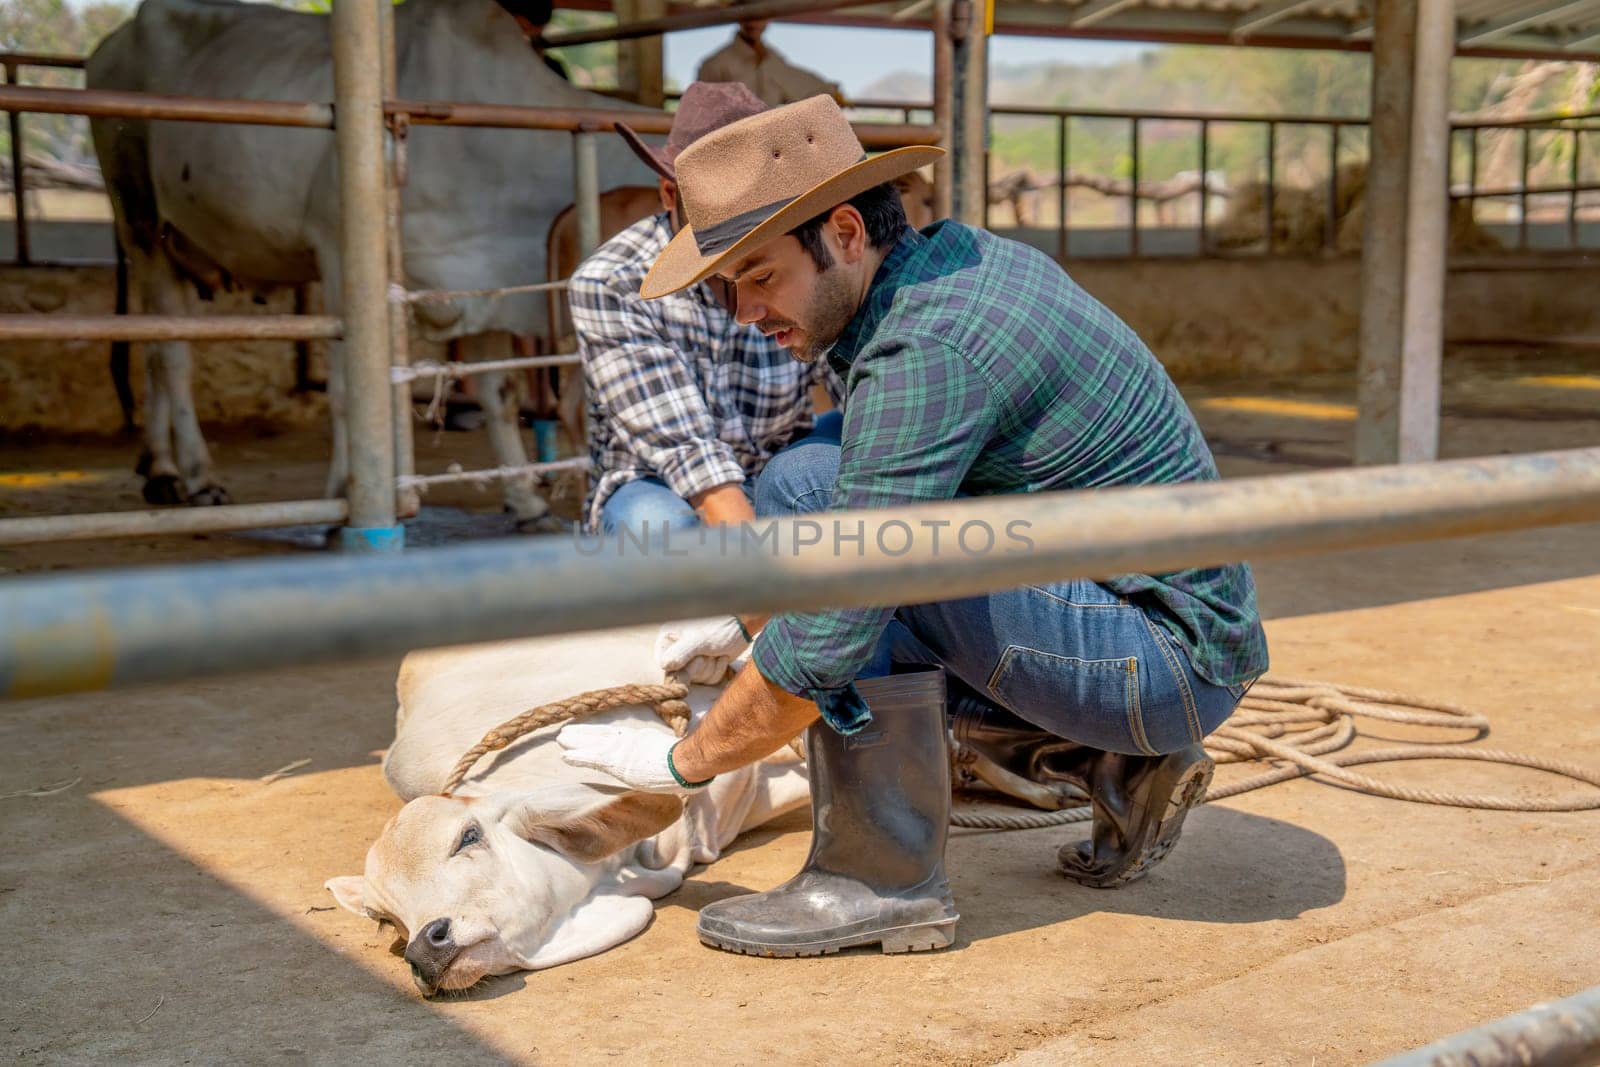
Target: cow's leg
{"points": [[157, 288], [194, 458], [497, 395], [177, 464], [156, 465]]}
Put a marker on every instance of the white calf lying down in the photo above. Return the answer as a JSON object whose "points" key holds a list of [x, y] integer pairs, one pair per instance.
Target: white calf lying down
{"points": [[532, 862]]}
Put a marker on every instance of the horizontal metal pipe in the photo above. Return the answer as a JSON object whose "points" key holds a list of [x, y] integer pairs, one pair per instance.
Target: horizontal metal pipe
{"points": [[1547, 119], [169, 522], [104, 103], [1561, 1033], [693, 20], [169, 327], [41, 59], [588, 119], [108, 103], [491, 475], [1532, 190], [434, 369], [70, 633]]}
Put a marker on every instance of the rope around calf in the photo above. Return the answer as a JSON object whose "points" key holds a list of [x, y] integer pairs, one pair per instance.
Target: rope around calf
{"points": [[1318, 718], [667, 699]]}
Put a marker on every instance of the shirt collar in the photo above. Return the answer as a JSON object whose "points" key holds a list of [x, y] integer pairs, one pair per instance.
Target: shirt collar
{"points": [[886, 283]]}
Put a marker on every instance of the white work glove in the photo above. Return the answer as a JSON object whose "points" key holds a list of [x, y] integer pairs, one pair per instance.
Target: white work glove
{"points": [[701, 650], [634, 756]]}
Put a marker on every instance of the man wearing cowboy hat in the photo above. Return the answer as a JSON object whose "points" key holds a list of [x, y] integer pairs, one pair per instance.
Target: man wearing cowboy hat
{"points": [[688, 405], [974, 366]]}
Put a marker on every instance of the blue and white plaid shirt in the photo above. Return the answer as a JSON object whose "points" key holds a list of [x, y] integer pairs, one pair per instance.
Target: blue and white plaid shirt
{"points": [[677, 389]]}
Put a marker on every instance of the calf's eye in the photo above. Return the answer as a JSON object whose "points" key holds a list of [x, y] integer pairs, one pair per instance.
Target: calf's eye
{"points": [[470, 836]]}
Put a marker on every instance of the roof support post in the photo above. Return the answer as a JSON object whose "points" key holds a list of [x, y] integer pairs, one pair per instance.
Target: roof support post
{"points": [[357, 27], [944, 96], [1407, 229], [640, 61], [969, 123]]}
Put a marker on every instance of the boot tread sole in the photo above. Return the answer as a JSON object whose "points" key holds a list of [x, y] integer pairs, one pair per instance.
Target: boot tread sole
{"points": [[921, 938], [1190, 793]]}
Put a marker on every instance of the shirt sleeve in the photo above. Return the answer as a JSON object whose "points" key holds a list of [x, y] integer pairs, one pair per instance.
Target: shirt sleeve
{"points": [[647, 389], [918, 417]]}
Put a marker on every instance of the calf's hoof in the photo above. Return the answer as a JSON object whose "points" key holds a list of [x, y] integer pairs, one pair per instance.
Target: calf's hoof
{"points": [[547, 523], [164, 490], [209, 496]]}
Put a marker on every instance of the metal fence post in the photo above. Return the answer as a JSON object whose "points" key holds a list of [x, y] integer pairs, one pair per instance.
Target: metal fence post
{"points": [[586, 184], [1205, 180], [1270, 200], [944, 109], [363, 263], [1330, 236], [1522, 186], [1572, 199], [1063, 168], [18, 183], [1133, 188], [969, 126]]}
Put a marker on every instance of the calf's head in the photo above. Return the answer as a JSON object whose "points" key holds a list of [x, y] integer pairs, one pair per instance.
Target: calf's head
{"points": [[484, 885]]}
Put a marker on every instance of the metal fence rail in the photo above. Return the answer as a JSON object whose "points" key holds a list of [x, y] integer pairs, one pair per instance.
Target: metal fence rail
{"points": [[365, 237], [67, 633], [1562, 1033], [1136, 188]]}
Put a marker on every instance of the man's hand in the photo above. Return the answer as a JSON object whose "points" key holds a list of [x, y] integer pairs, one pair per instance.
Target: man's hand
{"points": [[700, 649], [634, 756], [725, 505]]}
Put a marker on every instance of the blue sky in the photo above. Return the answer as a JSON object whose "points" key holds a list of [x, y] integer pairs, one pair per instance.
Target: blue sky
{"points": [[858, 57]]}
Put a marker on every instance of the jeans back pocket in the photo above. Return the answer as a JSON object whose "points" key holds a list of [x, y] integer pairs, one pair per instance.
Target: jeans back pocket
{"points": [[1094, 702]]}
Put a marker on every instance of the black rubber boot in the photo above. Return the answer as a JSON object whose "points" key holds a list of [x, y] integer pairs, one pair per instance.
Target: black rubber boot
{"points": [[1139, 806], [880, 807]]}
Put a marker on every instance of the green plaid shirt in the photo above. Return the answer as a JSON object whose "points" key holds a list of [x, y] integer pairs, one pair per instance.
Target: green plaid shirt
{"points": [[977, 366]]}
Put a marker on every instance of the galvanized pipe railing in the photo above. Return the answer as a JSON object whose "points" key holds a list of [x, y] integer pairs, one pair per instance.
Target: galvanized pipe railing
{"points": [[1139, 190], [90, 631], [1561, 1033], [55, 327]]}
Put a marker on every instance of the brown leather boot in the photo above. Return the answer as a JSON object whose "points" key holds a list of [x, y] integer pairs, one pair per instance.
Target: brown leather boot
{"points": [[1139, 806]]}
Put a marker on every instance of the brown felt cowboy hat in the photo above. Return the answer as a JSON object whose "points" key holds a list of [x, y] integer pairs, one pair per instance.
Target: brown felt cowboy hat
{"points": [[758, 178], [703, 107]]}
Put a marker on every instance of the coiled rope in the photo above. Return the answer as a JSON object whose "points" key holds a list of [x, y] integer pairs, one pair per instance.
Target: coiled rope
{"points": [[1302, 725]]}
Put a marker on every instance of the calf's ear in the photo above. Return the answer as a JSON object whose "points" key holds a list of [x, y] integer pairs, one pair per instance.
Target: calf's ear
{"points": [[350, 890], [599, 826]]}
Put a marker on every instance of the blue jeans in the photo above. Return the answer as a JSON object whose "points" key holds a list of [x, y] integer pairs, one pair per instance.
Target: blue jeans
{"points": [[1073, 657], [648, 504]]}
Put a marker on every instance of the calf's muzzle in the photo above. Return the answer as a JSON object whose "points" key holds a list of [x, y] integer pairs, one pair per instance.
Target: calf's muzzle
{"points": [[430, 954]]}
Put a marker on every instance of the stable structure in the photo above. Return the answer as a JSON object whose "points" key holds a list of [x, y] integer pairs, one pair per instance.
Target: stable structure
{"points": [[370, 131], [1412, 43], [63, 634]]}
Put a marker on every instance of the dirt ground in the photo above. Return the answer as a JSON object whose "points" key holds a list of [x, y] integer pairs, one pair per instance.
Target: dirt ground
{"points": [[167, 906]]}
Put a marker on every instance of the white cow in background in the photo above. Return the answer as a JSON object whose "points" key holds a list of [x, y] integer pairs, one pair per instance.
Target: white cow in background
{"points": [[532, 862], [214, 206]]}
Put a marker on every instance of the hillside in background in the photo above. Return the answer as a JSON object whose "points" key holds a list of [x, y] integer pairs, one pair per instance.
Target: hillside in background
{"points": [[1269, 81]]}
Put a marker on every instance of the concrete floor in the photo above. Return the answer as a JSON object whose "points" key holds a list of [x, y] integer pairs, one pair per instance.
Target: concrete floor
{"points": [[167, 907]]}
